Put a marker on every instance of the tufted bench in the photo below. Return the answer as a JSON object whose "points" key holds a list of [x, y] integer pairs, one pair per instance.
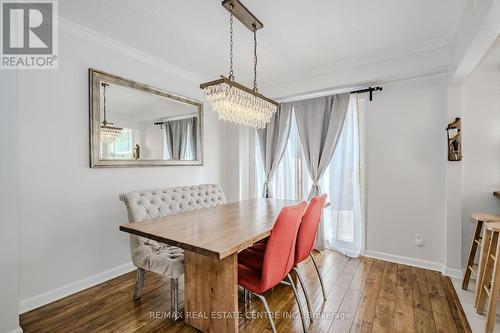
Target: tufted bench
{"points": [[154, 256]]}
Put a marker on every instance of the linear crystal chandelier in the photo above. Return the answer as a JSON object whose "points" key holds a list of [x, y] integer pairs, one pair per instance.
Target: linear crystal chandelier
{"points": [[232, 101], [109, 134]]}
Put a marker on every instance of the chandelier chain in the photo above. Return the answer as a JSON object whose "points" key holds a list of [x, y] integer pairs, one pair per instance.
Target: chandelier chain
{"points": [[104, 101], [231, 72], [255, 58]]}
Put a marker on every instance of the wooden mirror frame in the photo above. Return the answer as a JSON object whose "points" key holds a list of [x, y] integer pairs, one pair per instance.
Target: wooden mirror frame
{"points": [[95, 77]]}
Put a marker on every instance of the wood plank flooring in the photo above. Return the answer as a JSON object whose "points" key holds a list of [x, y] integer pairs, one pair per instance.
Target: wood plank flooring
{"points": [[364, 295]]}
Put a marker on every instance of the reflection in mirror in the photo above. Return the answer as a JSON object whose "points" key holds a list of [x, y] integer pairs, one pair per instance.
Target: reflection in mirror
{"points": [[139, 125]]}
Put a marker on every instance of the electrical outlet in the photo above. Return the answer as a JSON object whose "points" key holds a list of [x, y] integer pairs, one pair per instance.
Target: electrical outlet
{"points": [[419, 239]]}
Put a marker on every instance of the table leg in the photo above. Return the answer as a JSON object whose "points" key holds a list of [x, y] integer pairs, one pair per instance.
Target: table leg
{"points": [[211, 292]]}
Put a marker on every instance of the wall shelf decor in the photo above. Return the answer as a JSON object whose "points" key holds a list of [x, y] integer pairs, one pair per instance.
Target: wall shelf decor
{"points": [[453, 131]]}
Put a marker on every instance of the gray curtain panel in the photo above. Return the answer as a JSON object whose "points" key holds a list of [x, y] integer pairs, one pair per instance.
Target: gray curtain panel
{"points": [[194, 139], [319, 122], [179, 134], [273, 140]]}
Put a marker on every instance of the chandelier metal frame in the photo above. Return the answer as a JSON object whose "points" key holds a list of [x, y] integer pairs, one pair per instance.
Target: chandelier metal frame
{"points": [[232, 83]]}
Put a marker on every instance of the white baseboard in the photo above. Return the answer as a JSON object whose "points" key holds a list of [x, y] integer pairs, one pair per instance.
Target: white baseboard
{"points": [[432, 265], [453, 272], [74, 287], [16, 330]]}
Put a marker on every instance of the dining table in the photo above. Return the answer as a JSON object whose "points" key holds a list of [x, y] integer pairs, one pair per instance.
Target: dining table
{"points": [[211, 239]]}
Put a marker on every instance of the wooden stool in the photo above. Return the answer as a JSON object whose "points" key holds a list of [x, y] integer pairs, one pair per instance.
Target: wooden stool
{"points": [[480, 220], [490, 283]]}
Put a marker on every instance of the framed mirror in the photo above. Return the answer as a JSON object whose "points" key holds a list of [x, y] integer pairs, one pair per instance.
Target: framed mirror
{"points": [[132, 124]]}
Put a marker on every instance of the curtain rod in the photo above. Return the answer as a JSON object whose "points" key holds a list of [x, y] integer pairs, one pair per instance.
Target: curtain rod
{"points": [[369, 90], [177, 117], [308, 95]]}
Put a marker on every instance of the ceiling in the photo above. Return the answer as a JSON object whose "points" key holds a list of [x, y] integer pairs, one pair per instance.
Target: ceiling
{"points": [[299, 38], [143, 106]]}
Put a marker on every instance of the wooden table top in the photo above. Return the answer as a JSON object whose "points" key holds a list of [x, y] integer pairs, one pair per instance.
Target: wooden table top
{"points": [[217, 232]]}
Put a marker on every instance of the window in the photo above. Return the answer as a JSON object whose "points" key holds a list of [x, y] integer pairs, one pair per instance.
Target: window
{"points": [[288, 181], [341, 181], [123, 147]]}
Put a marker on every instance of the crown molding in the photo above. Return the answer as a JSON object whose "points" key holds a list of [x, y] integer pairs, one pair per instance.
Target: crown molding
{"points": [[363, 60], [347, 63], [397, 69], [93, 36]]}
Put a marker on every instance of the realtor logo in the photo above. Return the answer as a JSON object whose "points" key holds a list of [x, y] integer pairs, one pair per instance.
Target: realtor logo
{"points": [[29, 34]]}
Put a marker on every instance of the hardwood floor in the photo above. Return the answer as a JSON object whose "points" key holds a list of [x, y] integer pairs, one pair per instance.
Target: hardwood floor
{"points": [[364, 295]]}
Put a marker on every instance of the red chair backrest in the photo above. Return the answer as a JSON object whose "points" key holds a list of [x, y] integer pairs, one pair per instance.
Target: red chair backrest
{"points": [[280, 249], [309, 227]]}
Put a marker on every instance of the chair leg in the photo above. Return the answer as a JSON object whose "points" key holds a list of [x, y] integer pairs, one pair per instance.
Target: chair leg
{"points": [[495, 287], [319, 276], [174, 298], [247, 296], [306, 294], [139, 282], [487, 275], [270, 317], [304, 325], [483, 256], [472, 254]]}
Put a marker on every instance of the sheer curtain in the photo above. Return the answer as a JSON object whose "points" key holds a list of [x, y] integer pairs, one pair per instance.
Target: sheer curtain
{"points": [[273, 140], [343, 220], [285, 183]]}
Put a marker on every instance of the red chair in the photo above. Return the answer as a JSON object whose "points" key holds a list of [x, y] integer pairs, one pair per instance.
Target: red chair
{"points": [[261, 271], [305, 243]]}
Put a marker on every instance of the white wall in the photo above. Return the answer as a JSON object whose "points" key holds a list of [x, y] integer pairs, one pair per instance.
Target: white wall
{"points": [[153, 136], [454, 183], [405, 170], [481, 141], [69, 213], [9, 300]]}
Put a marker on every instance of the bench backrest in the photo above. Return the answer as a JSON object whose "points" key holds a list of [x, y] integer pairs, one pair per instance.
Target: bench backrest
{"points": [[151, 204]]}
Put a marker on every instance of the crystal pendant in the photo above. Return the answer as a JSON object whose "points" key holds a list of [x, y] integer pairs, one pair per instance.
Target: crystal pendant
{"points": [[238, 106], [109, 134]]}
